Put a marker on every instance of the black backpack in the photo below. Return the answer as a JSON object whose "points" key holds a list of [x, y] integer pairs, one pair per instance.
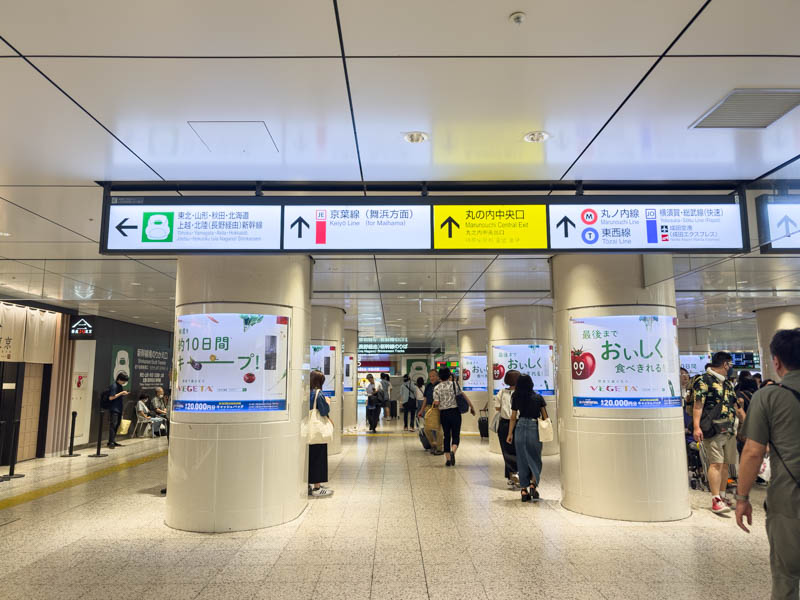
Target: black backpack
{"points": [[105, 400]]}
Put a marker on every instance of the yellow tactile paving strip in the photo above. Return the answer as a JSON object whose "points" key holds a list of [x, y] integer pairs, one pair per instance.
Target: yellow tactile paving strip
{"points": [[63, 485]]}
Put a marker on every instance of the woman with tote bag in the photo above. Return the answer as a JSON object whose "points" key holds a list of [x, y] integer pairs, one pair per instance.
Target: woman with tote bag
{"points": [[527, 407], [318, 453]]}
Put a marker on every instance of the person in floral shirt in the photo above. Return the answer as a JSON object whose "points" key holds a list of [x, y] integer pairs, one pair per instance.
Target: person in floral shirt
{"points": [[715, 411]]}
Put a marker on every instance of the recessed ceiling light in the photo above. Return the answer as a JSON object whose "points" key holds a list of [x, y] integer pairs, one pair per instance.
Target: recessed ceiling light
{"points": [[402, 282], [518, 17], [112, 310], [4, 234], [415, 137], [135, 283], [135, 317], [536, 136]]}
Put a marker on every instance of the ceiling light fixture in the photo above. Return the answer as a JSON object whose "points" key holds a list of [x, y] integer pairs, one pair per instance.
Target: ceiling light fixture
{"points": [[517, 18], [535, 137], [415, 137], [4, 234], [135, 283]]}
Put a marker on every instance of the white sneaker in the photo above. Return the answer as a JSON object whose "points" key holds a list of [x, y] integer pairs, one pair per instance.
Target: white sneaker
{"points": [[321, 492]]}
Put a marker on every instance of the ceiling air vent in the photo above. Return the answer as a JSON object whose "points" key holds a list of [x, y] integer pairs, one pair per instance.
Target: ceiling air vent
{"points": [[749, 109]]}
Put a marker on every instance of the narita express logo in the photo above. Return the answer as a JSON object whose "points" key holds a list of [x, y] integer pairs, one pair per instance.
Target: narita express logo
{"points": [[583, 364]]}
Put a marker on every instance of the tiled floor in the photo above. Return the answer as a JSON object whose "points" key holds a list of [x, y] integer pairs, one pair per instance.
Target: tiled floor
{"points": [[400, 525]]}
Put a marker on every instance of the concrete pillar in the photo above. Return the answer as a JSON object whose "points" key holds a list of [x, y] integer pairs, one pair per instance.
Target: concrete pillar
{"points": [[768, 321], [327, 339], [472, 345], [521, 338], [618, 463], [350, 381], [694, 340], [237, 462]]}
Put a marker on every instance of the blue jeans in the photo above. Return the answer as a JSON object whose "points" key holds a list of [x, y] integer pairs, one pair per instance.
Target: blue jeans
{"points": [[529, 452]]}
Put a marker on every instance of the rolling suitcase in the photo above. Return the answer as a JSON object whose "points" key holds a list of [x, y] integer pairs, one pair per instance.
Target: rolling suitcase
{"points": [[422, 437], [483, 423]]}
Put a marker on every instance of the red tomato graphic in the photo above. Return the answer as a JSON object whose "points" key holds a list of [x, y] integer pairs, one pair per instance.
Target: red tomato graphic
{"points": [[249, 378], [466, 374], [583, 364], [498, 371]]}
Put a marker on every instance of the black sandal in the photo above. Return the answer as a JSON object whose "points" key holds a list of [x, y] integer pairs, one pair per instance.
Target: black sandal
{"points": [[524, 495]]}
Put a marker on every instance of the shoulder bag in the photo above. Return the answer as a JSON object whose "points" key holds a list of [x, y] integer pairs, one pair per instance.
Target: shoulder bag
{"points": [[461, 399], [545, 426], [315, 428]]}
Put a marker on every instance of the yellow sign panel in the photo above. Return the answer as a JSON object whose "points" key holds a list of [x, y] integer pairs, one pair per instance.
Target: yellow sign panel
{"points": [[489, 226]]}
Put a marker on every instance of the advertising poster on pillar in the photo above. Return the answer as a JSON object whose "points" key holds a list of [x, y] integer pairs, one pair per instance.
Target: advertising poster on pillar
{"points": [[535, 360], [323, 358], [231, 362], [628, 361], [349, 375], [473, 372], [695, 363]]}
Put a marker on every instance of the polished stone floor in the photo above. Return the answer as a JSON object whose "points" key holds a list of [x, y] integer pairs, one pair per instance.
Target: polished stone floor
{"points": [[400, 525]]}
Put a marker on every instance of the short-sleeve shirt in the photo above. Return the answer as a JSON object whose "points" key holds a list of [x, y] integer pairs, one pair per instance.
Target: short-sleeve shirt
{"points": [[141, 408], [503, 402], [527, 408], [445, 393], [429, 387], [116, 403], [159, 403], [710, 390], [774, 419], [322, 406]]}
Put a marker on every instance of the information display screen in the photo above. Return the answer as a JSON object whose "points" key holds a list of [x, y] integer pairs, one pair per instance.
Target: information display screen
{"points": [[473, 372], [535, 360], [323, 358], [231, 362], [626, 361]]}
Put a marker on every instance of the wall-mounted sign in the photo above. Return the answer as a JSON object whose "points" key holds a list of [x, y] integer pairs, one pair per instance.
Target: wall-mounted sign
{"points": [[648, 224], [626, 361], [349, 373], [473, 372], [779, 223], [81, 328], [231, 362], [205, 224], [382, 345], [341, 227], [535, 360], [489, 226]]}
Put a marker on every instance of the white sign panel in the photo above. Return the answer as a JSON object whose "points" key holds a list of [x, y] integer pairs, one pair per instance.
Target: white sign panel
{"points": [[323, 358], [535, 360], [473, 373], [349, 373], [168, 228], [695, 363], [231, 362], [647, 227], [784, 225], [626, 361], [379, 227]]}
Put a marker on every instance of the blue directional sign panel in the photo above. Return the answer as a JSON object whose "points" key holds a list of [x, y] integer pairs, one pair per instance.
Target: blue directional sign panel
{"points": [[779, 223]]}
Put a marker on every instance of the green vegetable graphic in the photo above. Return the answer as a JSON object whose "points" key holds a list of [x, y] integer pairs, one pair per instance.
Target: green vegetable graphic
{"points": [[249, 321]]}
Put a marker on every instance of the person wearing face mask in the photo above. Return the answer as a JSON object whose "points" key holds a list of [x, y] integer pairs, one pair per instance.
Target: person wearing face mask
{"points": [[159, 403]]}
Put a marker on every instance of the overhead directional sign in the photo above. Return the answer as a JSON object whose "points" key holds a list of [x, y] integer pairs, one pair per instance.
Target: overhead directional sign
{"points": [[779, 223], [166, 228], [592, 223], [345, 227], [489, 226], [647, 224]]}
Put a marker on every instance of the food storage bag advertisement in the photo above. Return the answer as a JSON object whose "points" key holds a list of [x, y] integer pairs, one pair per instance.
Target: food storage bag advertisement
{"points": [[473, 373], [625, 362], [323, 358], [535, 360], [349, 375], [231, 362]]}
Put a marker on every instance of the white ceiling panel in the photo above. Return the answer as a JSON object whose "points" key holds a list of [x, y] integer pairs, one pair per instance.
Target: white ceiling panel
{"points": [[46, 139], [477, 27], [477, 112], [45, 250], [743, 27], [176, 28], [148, 104], [650, 138], [74, 208]]}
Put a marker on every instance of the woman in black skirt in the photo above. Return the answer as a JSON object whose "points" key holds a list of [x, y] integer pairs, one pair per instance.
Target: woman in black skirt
{"points": [[318, 453]]}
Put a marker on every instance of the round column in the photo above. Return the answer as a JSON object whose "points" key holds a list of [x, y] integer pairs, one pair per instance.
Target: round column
{"points": [[472, 356], [327, 339], [350, 381], [232, 470], [521, 338], [694, 340], [617, 463], [768, 321]]}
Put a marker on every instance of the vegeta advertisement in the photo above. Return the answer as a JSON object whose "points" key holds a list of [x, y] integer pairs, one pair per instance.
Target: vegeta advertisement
{"points": [[628, 361], [535, 360]]}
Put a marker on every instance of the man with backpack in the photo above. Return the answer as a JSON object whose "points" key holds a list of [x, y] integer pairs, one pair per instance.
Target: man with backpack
{"points": [[111, 400], [774, 421], [714, 414]]}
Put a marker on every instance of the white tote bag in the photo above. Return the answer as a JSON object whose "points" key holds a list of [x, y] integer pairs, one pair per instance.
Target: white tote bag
{"points": [[545, 428], [315, 428]]}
